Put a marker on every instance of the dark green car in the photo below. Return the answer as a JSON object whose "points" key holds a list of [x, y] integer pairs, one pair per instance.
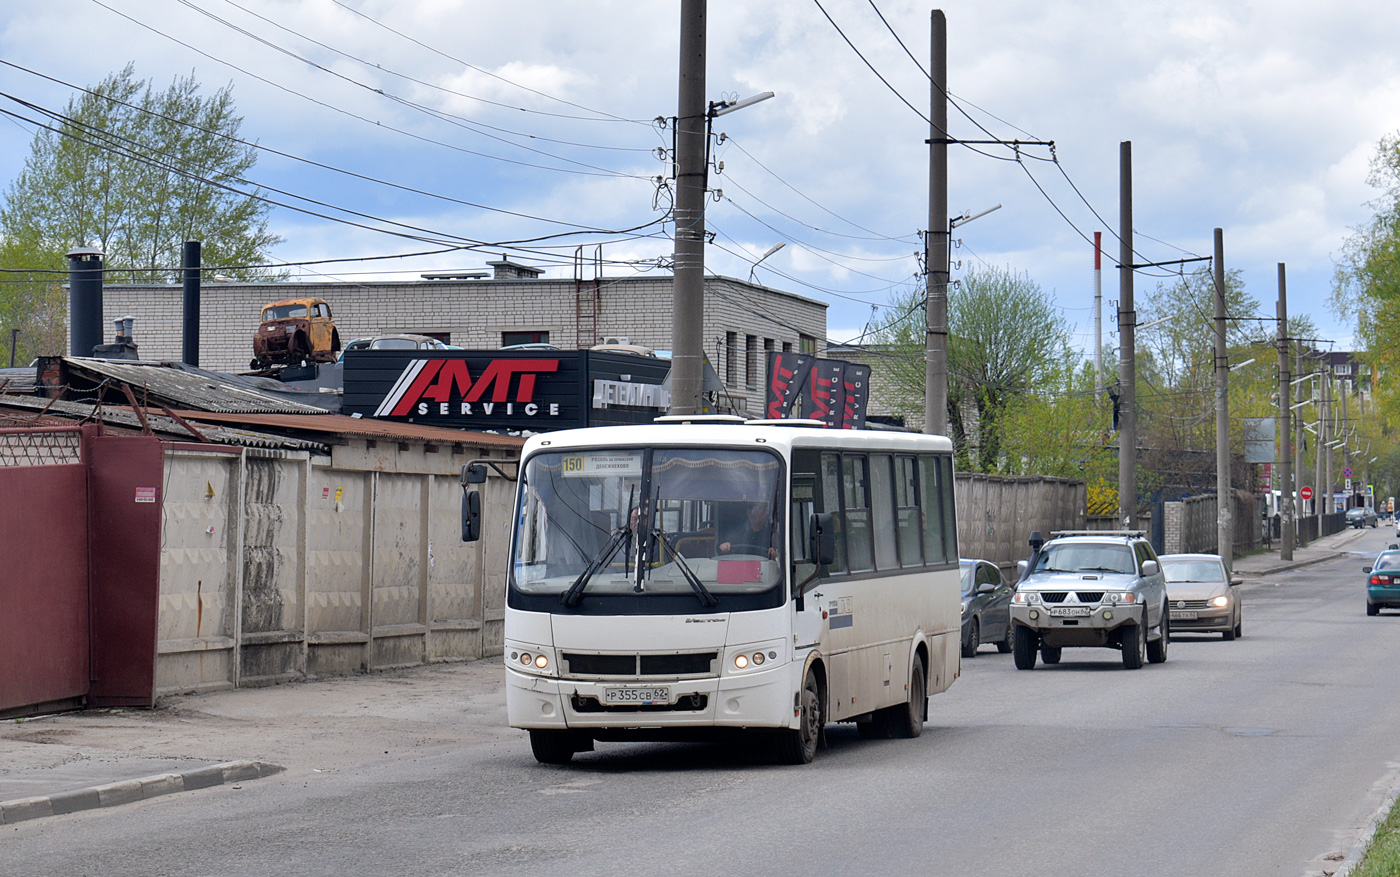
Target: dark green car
{"points": [[1383, 581]]}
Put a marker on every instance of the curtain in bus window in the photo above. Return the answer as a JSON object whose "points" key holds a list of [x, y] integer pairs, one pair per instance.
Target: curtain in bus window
{"points": [[855, 470], [831, 504], [882, 511], [931, 486], [908, 520]]}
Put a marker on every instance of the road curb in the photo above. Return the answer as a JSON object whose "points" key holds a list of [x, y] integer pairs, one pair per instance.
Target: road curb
{"points": [[1363, 840], [1289, 566], [130, 791]]}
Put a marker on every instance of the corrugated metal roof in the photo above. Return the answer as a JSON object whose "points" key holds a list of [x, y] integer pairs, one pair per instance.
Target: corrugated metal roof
{"points": [[184, 387], [364, 427], [46, 412]]}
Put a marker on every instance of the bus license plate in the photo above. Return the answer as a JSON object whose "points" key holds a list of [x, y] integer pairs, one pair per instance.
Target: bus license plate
{"points": [[657, 694], [1071, 611]]}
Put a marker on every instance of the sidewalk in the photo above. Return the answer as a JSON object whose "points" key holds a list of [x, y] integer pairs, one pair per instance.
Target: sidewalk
{"points": [[62, 763], [1319, 550]]}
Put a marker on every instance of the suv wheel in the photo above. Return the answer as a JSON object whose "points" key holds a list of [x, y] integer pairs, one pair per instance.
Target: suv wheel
{"points": [[1157, 651], [1050, 654], [1134, 647], [1023, 647]]}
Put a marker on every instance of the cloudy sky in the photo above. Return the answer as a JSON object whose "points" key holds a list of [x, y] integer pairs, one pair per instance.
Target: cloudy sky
{"points": [[530, 127]]}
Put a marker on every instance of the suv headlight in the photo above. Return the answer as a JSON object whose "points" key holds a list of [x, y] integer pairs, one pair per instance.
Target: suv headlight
{"points": [[1116, 597], [1026, 597]]}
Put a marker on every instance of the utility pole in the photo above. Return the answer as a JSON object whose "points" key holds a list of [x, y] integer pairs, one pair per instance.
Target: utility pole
{"points": [[1327, 408], [1224, 496], [1285, 431], [936, 240], [1297, 439], [1098, 316], [1127, 322], [688, 295], [1321, 440]]}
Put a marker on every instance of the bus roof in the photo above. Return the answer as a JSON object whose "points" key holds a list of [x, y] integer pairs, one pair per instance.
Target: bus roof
{"points": [[774, 435]]}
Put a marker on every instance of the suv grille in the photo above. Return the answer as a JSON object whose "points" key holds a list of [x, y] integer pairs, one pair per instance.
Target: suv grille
{"points": [[1090, 596], [1053, 596], [685, 664]]}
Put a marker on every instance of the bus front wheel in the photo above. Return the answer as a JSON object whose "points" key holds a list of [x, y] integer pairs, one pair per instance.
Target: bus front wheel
{"points": [[799, 745], [552, 747]]}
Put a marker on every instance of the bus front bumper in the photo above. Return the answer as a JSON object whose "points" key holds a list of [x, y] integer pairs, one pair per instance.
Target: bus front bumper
{"points": [[752, 700]]}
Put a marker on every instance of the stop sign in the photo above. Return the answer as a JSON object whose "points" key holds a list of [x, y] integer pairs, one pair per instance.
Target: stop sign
{"points": [[1305, 493]]}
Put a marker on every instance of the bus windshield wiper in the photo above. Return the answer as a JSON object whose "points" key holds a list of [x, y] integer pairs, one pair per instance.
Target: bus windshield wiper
{"points": [[571, 597], [701, 592]]}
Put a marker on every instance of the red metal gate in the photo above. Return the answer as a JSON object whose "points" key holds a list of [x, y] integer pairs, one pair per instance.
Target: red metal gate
{"points": [[79, 568]]}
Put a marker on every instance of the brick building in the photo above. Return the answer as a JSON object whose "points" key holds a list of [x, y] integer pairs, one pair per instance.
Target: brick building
{"points": [[514, 304]]}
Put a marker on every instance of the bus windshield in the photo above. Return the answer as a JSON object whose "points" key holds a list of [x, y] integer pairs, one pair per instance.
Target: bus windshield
{"points": [[638, 523]]}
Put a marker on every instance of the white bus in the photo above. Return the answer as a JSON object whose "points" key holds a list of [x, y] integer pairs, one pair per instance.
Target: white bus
{"points": [[780, 576]]}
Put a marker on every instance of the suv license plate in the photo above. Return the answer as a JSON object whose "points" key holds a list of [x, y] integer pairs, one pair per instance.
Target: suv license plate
{"points": [[656, 694], [1183, 615], [1071, 611]]}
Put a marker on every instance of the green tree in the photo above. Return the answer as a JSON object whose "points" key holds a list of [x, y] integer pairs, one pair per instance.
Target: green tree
{"points": [[1366, 285], [1005, 338], [135, 172]]}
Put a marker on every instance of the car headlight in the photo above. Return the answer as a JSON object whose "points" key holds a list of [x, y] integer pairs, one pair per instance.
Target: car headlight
{"points": [[1025, 597], [1116, 597], [1220, 602], [964, 608]]}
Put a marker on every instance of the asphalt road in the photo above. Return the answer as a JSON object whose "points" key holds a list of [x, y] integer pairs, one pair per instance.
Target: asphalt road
{"points": [[1262, 756]]}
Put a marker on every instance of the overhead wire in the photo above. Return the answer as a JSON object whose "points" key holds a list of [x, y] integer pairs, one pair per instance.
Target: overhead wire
{"points": [[352, 115], [287, 155]]}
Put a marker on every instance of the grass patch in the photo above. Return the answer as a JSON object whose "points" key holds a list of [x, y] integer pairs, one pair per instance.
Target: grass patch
{"points": [[1382, 857]]}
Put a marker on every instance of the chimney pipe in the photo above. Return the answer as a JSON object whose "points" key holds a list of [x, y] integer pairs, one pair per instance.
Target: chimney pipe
{"points": [[84, 300], [190, 273]]}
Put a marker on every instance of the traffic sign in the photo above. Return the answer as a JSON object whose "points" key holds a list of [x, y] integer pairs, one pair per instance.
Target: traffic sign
{"points": [[1348, 485], [1346, 473], [1305, 493]]}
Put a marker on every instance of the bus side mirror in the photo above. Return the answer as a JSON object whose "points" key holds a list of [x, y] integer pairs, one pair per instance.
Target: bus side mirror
{"points": [[473, 473], [471, 516], [823, 539]]}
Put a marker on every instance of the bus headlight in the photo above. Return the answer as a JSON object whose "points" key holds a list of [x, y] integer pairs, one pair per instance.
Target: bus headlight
{"points": [[530, 659], [741, 662]]}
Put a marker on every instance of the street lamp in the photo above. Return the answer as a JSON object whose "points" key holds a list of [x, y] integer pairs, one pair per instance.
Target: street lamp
{"points": [[771, 250]]}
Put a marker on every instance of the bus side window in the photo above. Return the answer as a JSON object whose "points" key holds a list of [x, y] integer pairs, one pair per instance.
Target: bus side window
{"points": [[882, 511], [908, 520], [950, 514], [930, 485], [831, 503], [855, 503]]}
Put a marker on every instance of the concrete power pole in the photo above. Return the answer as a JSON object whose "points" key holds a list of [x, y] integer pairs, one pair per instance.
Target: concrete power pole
{"points": [[1224, 496], [688, 295], [1098, 316], [936, 246], [1327, 419], [1127, 322], [1285, 431]]}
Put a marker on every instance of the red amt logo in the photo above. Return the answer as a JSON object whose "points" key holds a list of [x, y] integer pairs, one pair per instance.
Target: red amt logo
{"points": [[428, 386]]}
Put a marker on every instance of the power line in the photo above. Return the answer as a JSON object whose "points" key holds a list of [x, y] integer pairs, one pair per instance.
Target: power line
{"points": [[346, 112]]}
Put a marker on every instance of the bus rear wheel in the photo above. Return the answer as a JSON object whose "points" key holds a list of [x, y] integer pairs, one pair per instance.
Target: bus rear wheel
{"points": [[907, 720], [799, 745]]}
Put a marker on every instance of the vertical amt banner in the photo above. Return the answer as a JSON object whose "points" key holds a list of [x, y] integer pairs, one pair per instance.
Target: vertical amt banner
{"points": [[788, 373], [824, 396], [856, 385]]}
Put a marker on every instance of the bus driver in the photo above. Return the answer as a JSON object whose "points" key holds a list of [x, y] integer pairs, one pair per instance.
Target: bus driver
{"points": [[753, 535]]}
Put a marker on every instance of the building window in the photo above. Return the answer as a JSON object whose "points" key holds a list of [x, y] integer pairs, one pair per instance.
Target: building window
{"points": [[1342, 368], [751, 367], [509, 338], [806, 344], [787, 347], [731, 359]]}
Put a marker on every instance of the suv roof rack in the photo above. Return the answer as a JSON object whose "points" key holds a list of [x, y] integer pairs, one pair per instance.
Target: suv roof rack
{"points": [[1055, 534]]}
